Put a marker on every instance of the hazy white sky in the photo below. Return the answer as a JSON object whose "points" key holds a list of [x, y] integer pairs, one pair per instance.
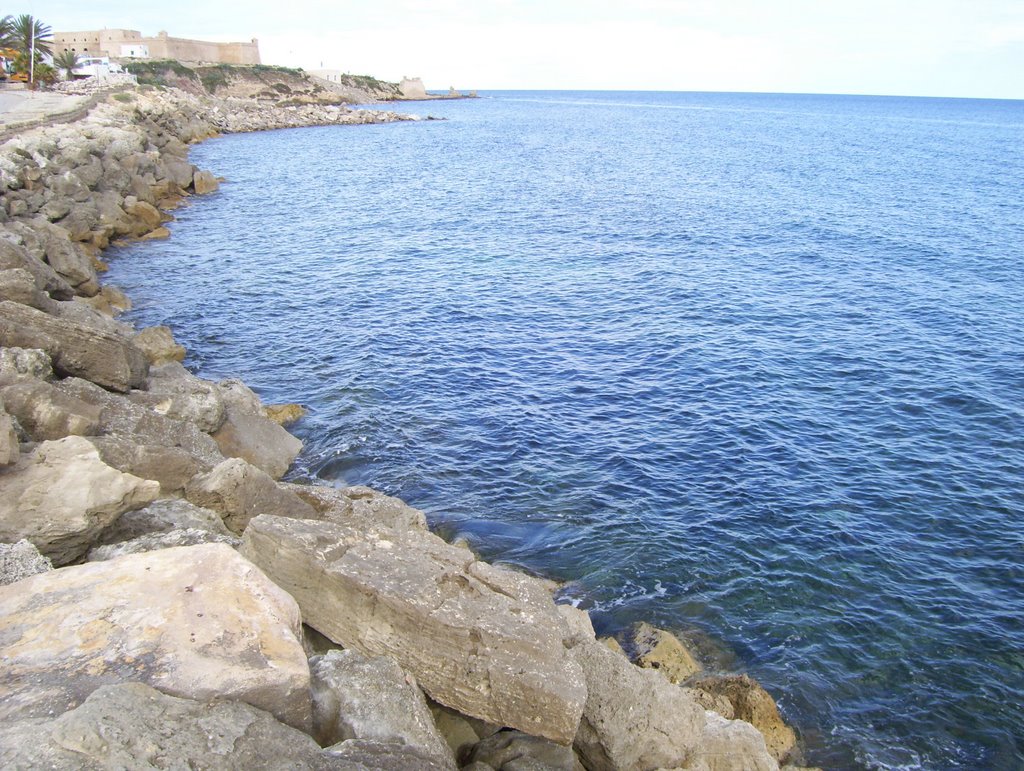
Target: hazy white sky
{"points": [[911, 47]]}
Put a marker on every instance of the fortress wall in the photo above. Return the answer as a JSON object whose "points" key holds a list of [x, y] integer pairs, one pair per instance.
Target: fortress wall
{"points": [[108, 42]]}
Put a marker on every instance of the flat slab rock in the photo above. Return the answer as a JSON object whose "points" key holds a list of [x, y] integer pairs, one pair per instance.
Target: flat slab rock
{"points": [[485, 641], [134, 726], [199, 622]]}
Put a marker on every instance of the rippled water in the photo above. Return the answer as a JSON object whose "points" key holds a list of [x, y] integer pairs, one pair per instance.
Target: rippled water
{"points": [[748, 366]]}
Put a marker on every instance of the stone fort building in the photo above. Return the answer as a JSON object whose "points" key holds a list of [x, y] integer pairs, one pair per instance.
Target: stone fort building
{"points": [[130, 44]]}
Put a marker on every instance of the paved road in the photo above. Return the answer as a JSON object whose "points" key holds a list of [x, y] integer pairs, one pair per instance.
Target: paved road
{"points": [[19, 106]]}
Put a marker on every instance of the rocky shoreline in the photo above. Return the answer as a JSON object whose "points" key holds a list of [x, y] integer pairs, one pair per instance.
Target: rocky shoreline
{"points": [[169, 602]]}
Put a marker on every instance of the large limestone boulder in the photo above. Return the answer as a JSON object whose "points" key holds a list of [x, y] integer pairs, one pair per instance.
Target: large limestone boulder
{"points": [[752, 703], [16, 256], [634, 719], [239, 491], [659, 649], [204, 182], [172, 467], [349, 505], [47, 413], [199, 622], [731, 745], [180, 394], [133, 726], [62, 496], [76, 349], [138, 423], [21, 560], [258, 440], [485, 641], [18, 285], [360, 697]]}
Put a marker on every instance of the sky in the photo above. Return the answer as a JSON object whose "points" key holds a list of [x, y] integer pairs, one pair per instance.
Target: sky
{"points": [[966, 48]]}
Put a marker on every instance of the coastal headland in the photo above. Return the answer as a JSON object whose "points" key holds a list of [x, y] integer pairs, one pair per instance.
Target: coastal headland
{"points": [[169, 602]]}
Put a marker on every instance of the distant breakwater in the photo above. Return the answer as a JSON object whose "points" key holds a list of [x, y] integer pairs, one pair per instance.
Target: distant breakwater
{"points": [[155, 495]]}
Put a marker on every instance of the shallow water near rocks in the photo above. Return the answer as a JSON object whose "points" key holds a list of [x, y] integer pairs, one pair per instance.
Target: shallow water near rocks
{"points": [[750, 367]]}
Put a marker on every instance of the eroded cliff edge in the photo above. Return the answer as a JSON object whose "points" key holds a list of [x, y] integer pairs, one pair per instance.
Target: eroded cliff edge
{"points": [[169, 601]]}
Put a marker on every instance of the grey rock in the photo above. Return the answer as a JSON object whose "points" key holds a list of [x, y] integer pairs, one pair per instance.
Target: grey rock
{"points": [[237, 394], [752, 703], [17, 363], [155, 541], [485, 641], [123, 418], [258, 440], [239, 491], [369, 755], [162, 516], [74, 349], [360, 697], [134, 726], [62, 496], [516, 751], [634, 719], [13, 255], [18, 285], [21, 560]]}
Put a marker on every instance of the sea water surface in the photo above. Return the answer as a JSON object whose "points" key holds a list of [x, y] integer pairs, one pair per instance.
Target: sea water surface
{"points": [[750, 367]]}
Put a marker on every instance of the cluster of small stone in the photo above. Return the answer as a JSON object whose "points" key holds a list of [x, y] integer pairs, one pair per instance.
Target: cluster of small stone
{"points": [[169, 602]]}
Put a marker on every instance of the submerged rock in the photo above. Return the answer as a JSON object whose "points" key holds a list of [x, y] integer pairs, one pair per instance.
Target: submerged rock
{"points": [[658, 649]]}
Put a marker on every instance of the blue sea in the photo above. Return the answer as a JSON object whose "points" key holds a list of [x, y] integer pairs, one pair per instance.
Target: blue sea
{"points": [[747, 366]]}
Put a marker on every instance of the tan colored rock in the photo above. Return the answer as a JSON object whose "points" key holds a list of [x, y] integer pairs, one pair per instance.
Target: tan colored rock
{"points": [[18, 285], [655, 648], [199, 622], [158, 344], [147, 215], [62, 496], [258, 440], [16, 255], [349, 505], [171, 467], [731, 745], [110, 301], [613, 645], [361, 697], [634, 719], [454, 727], [482, 640], [155, 541], [284, 414], [156, 234], [239, 491], [10, 449], [204, 182], [74, 348], [133, 726], [581, 630], [752, 703], [47, 413], [176, 392]]}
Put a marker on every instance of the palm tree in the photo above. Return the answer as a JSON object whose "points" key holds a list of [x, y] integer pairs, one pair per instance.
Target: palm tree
{"points": [[27, 29], [7, 32], [66, 60]]}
